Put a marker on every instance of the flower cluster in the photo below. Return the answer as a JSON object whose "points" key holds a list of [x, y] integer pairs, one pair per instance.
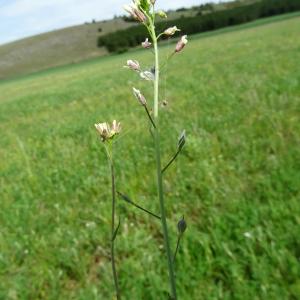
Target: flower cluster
{"points": [[139, 9], [135, 66], [108, 132]]}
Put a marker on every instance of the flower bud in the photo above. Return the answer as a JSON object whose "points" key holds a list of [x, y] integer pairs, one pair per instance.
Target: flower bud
{"points": [[129, 9], [137, 93], [133, 10], [133, 65], [147, 75], [181, 140], [146, 44], [181, 43], [140, 16], [152, 2], [181, 225], [162, 14], [171, 30]]}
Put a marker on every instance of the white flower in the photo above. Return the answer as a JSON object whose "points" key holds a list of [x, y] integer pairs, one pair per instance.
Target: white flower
{"points": [[137, 93], [181, 43], [147, 75], [106, 132], [115, 128], [133, 65], [146, 44], [171, 31]]}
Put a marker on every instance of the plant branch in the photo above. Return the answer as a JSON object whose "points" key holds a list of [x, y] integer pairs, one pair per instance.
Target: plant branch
{"points": [[126, 198], [150, 118], [171, 161]]}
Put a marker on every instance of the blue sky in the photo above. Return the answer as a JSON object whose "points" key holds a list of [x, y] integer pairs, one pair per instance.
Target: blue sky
{"points": [[22, 18]]}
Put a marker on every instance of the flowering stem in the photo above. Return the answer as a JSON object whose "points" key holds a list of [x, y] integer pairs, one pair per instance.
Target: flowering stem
{"points": [[158, 166], [113, 213]]}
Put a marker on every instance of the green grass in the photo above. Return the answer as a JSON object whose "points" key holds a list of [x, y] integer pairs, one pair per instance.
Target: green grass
{"points": [[237, 95]]}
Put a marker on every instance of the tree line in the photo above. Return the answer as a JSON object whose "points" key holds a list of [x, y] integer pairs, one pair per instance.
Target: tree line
{"points": [[121, 40]]}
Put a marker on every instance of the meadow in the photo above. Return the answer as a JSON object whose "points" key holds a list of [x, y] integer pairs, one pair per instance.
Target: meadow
{"points": [[237, 95]]}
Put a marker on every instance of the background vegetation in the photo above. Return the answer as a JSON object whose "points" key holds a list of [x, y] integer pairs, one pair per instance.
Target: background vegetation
{"points": [[237, 182], [64, 46], [121, 40], [79, 43]]}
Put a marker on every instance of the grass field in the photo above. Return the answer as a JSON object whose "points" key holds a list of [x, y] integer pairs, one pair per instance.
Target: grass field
{"points": [[237, 94]]}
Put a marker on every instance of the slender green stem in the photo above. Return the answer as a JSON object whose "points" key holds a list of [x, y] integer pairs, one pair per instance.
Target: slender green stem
{"points": [[113, 214], [171, 161], [113, 263], [156, 81], [167, 61], [159, 174], [149, 116], [126, 198], [177, 246]]}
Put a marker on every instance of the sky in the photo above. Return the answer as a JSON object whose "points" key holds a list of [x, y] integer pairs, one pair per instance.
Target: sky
{"points": [[22, 18]]}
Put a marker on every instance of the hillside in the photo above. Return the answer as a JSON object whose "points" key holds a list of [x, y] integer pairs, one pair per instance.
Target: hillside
{"points": [[60, 47], [236, 181], [74, 44]]}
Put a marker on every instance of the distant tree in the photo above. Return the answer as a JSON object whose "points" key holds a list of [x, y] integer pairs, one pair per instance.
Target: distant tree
{"points": [[121, 40], [181, 9], [129, 19]]}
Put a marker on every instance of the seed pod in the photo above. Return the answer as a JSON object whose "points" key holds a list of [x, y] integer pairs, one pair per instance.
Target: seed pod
{"points": [[181, 225]]}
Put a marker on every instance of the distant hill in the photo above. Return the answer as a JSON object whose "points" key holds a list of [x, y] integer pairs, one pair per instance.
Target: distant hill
{"points": [[60, 47], [74, 44]]}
